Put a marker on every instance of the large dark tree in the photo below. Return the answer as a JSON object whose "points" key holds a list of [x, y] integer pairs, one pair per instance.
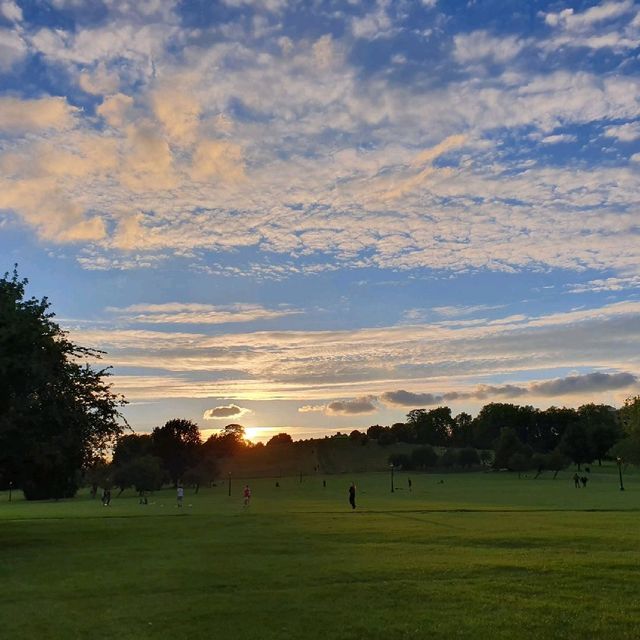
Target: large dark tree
{"points": [[177, 444], [576, 444], [432, 427], [57, 412], [602, 425], [493, 417]]}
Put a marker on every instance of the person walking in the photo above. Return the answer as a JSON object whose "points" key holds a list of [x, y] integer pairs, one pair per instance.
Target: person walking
{"points": [[576, 480], [246, 494], [352, 495]]}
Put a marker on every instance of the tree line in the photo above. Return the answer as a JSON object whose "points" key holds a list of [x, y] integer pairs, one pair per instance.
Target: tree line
{"points": [[60, 420], [522, 437]]}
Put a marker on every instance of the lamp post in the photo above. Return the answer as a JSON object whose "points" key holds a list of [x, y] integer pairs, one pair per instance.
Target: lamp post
{"points": [[392, 487], [229, 483], [620, 461]]}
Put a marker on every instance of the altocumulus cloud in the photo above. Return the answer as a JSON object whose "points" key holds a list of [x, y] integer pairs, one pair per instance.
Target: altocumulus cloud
{"points": [[225, 411]]}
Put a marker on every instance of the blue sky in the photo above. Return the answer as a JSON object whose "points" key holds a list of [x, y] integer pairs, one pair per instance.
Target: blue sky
{"points": [[316, 216]]}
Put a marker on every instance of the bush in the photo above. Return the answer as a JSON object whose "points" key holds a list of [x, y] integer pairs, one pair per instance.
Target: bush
{"points": [[424, 457]]}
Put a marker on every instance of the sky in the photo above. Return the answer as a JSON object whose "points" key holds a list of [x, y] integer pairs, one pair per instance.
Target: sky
{"points": [[316, 216]]}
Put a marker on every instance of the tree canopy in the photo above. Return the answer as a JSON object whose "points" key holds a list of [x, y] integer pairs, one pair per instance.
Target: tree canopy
{"points": [[57, 412]]}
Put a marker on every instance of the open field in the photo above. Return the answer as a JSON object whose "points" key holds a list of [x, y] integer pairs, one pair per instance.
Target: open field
{"points": [[480, 555]]}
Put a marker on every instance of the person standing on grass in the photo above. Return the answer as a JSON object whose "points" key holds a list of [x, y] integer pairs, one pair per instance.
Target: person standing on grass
{"points": [[352, 495], [576, 480], [180, 495], [246, 494]]}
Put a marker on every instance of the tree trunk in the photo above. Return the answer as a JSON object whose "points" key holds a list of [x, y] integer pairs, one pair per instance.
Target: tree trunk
{"points": [[555, 475]]}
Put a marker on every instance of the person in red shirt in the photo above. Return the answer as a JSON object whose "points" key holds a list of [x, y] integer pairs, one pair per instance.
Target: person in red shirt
{"points": [[247, 495]]}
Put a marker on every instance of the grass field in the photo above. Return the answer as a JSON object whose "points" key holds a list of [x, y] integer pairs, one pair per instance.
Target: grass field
{"points": [[476, 556]]}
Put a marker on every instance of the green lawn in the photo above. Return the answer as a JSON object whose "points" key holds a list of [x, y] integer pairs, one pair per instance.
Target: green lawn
{"points": [[477, 556]]}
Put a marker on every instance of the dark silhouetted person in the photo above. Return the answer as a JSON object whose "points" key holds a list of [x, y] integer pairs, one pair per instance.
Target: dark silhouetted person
{"points": [[324, 484], [106, 497], [409, 483], [352, 495], [576, 480], [584, 481]]}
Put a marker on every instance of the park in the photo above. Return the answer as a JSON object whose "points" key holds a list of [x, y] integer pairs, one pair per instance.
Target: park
{"points": [[460, 555]]}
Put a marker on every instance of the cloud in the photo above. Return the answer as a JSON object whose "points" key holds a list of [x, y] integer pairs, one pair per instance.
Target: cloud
{"points": [[570, 20], [11, 11], [196, 313], [177, 110], [149, 161], [376, 24], [12, 49], [357, 406], [455, 311], [585, 29], [480, 45], [557, 138], [627, 132], [226, 411], [296, 152], [606, 284], [219, 159], [589, 383], [100, 81], [312, 408], [403, 398], [24, 116], [446, 357]]}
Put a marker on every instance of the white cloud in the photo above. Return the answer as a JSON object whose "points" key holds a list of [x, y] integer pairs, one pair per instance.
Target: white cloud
{"points": [[12, 49], [558, 138], [480, 45], [570, 20], [627, 132], [11, 11], [376, 24], [585, 29]]}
